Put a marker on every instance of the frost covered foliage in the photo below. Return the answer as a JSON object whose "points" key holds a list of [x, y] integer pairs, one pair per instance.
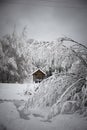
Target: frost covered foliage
{"points": [[74, 99], [48, 55], [59, 55], [20, 57], [64, 91], [13, 67], [50, 90], [59, 94]]}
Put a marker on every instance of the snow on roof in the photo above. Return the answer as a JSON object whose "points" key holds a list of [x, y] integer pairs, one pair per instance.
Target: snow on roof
{"points": [[39, 70]]}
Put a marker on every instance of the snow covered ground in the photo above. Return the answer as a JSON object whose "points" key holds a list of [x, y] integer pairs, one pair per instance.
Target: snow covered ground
{"points": [[15, 91], [11, 119], [12, 91]]}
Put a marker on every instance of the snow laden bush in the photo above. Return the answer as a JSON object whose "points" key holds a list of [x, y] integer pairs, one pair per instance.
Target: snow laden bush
{"points": [[69, 107], [50, 90], [73, 99]]}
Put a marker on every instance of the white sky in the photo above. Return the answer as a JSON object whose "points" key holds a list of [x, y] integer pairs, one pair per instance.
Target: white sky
{"points": [[45, 19]]}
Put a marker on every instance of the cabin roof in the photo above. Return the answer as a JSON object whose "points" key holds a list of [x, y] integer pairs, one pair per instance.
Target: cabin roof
{"points": [[38, 70]]}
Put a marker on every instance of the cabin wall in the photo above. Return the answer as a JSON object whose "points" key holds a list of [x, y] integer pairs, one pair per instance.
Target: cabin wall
{"points": [[38, 77]]}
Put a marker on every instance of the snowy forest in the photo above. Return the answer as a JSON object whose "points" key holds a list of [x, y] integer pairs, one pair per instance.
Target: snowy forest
{"points": [[63, 91], [43, 65]]}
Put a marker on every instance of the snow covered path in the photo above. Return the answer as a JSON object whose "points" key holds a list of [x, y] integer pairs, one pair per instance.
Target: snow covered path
{"points": [[10, 118]]}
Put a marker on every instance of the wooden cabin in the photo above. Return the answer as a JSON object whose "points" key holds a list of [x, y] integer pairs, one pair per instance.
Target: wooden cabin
{"points": [[38, 76]]}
